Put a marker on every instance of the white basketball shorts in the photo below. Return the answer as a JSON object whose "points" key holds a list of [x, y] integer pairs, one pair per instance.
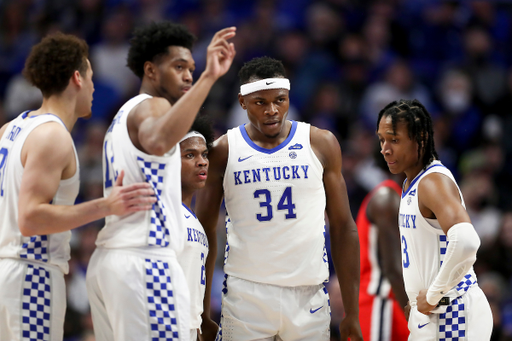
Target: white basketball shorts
{"points": [[256, 311], [32, 301], [137, 296]]}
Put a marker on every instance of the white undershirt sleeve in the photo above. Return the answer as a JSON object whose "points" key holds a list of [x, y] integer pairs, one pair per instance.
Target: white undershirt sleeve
{"points": [[460, 256]]}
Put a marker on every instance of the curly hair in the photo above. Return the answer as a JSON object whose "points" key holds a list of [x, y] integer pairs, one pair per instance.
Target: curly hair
{"points": [[153, 40], [261, 68], [419, 125], [52, 62], [203, 125]]}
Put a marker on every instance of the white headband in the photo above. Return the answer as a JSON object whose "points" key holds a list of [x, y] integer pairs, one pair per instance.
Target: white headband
{"points": [[192, 133], [265, 84]]}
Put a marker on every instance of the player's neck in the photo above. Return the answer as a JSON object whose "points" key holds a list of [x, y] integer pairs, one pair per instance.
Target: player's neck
{"points": [[186, 198], [60, 106], [412, 173], [268, 142]]}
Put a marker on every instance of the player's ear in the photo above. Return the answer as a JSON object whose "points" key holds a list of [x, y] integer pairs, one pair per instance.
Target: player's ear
{"points": [[150, 70], [76, 79], [242, 102]]}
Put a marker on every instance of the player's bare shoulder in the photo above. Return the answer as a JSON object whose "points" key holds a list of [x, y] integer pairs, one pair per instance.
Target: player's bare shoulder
{"points": [[151, 107], [219, 153], [325, 145]]}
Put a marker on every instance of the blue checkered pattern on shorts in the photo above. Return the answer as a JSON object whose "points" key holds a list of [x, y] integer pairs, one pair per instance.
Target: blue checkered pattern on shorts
{"points": [[467, 282], [162, 314], [452, 324], [325, 258], [36, 304], [35, 249], [158, 233]]}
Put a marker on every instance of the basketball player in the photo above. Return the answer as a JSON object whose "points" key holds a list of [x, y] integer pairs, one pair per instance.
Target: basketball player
{"points": [[438, 241], [39, 180], [136, 286], [278, 178], [382, 296], [194, 169]]}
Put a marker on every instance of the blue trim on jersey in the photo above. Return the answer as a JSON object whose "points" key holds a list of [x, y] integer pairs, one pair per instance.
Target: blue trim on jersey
{"points": [[25, 114], [417, 178], [188, 209], [265, 150]]}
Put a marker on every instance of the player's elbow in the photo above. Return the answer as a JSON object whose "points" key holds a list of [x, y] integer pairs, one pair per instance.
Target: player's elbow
{"points": [[26, 227]]}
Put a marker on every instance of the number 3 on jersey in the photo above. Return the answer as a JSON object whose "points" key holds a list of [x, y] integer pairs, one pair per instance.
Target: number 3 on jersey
{"points": [[285, 203], [3, 162], [405, 260]]}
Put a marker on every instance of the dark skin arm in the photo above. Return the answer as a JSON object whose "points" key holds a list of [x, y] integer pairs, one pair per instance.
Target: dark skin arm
{"points": [[382, 211], [342, 229], [448, 212], [208, 201]]}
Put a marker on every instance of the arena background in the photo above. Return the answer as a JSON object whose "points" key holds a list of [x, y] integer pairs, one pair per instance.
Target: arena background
{"points": [[345, 60]]}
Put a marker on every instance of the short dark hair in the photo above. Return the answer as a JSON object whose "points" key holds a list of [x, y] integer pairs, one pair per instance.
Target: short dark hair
{"points": [[153, 40], [204, 126], [52, 62], [419, 125], [261, 68]]}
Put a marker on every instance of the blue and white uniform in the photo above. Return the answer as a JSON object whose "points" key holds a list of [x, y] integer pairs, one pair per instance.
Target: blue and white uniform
{"points": [[424, 244], [193, 260], [276, 263], [136, 286], [32, 289]]}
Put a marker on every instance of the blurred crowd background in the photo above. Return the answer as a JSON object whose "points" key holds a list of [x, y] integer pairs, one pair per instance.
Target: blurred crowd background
{"points": [[346, 59]]}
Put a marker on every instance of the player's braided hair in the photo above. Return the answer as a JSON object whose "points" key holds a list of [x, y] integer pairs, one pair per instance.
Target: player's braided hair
{"points": [[153, 40], [261, 68], [419, 125]]}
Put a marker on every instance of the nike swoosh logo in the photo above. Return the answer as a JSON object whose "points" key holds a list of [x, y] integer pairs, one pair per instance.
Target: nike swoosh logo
{"points": [[187, 216], [268, 83], [314, 311], [240, 159], [422, 325]]}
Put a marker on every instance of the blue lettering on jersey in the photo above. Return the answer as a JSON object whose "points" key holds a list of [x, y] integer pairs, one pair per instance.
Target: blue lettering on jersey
{"points": [[115, 121], [407, 221], [412, 193], [196, 236], [14, 133], [270, 174], [295, 146]]}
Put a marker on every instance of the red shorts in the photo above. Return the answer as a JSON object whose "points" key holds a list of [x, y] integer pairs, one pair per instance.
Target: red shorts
{"points": [[382, 319]]}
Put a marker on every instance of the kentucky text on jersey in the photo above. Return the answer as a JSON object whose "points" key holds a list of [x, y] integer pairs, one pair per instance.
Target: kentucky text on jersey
{"points": [[407, 221], [196, 236], [271, 174]]}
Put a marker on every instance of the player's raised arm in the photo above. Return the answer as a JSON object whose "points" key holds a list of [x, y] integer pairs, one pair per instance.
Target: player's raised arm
{"points": [[342, 229], [158, 123]]}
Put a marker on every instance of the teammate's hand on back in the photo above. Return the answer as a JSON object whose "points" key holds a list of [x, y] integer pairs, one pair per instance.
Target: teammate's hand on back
{"points": [[209, 329], [128, 199], [220, 53]]}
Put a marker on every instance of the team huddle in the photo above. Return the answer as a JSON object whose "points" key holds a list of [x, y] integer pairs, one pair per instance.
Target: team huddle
{"points": [[406, 274]]}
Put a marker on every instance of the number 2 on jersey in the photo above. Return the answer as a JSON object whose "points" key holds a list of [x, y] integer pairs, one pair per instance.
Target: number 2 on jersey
{"points": [[285, 203], [3, 159], [108, 167]]}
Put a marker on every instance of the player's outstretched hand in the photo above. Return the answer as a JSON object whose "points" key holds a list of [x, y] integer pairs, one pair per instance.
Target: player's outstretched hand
{"points": [[350, 328], [128, 199], [423, 306], [220, 53], [209, 329]]}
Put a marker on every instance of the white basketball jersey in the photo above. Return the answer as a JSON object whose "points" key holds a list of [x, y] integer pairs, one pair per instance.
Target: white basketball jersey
{"points": [[423, 241], [275, 200], [192, 260], [49, 249], [161, 227]]}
